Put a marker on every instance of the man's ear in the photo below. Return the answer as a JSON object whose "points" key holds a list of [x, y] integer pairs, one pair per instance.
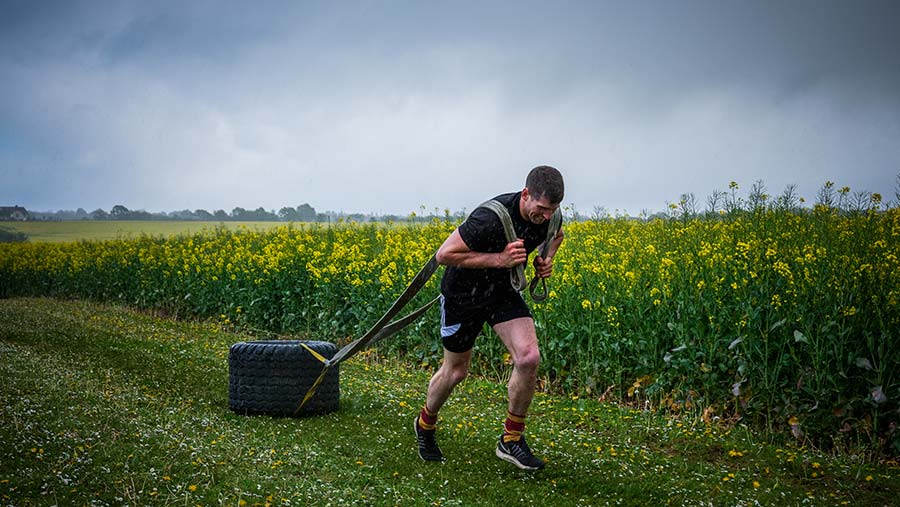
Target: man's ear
{"points": [[525, 193]]}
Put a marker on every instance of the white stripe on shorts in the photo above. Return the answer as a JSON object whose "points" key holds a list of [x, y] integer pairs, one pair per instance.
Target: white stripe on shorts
{"points": [[445, 329]]}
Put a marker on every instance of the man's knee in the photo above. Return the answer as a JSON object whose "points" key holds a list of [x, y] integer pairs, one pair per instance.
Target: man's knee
{"points": [[457, 373], [528, 360]]}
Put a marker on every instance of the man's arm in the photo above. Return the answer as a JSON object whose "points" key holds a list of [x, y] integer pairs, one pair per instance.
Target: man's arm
{"points": [[455, 252]]}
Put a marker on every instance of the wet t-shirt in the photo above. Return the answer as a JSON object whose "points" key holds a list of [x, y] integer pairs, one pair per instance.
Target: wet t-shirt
{"points": [[482, 231]]}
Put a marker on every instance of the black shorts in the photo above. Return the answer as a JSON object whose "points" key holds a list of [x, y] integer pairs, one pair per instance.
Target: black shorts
{"points": [[462, 323]]}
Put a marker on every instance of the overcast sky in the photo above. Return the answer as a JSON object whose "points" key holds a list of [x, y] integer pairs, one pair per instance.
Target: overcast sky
{"points": [[385, 106]]}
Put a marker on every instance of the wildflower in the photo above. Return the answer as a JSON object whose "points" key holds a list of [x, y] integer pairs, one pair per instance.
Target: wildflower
{"points": [[192, 488]]}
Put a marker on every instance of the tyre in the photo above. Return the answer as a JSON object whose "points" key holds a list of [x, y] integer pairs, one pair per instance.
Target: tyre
{"points": [[271, 377]]}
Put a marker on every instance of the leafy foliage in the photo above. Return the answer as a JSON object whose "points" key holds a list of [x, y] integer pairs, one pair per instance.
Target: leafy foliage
{"points": [[784, 318]]}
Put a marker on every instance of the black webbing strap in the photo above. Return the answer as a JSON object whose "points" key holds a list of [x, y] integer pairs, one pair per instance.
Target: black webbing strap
{"points": [[382, 329]]}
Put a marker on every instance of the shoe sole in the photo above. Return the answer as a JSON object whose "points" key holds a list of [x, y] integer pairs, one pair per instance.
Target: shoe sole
{"points": [[418, 451], [506, 457]]}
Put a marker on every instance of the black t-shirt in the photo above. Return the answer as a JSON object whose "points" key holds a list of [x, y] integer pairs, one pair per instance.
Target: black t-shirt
{"points": [[482, 231]]}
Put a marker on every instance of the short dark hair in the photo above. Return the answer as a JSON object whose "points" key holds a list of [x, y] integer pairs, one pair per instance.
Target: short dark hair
{"points": [[545, 181]]}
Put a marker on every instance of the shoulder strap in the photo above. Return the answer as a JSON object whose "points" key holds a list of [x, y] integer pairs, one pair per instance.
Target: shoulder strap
{"points": [[516, 273]]}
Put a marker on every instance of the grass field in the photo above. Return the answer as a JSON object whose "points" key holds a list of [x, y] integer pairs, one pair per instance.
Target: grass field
{"points": [[102, 405], [60, 232]]}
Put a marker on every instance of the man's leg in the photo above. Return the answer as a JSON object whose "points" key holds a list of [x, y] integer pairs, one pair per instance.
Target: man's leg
{"points": [[520, 339], [453, 370]]}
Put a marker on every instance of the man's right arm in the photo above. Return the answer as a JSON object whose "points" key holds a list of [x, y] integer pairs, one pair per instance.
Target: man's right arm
{"points": [[455, 252]]}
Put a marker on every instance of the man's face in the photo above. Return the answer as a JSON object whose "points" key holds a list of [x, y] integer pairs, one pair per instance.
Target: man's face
{"points": [[537, 211]]}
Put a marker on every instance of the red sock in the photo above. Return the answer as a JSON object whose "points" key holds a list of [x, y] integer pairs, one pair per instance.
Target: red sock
{"points": [[513, 427], [427, 419]]}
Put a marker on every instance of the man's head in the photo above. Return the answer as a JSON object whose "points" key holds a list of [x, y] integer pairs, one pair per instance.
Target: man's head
{"points": [[543, 192]]}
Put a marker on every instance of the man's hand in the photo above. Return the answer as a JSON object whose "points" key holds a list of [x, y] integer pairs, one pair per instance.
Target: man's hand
{"points": [[514, 254], [543, 267]]}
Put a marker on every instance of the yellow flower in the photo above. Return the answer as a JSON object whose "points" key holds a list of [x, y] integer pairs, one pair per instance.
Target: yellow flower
{"points": [[192, 487]]}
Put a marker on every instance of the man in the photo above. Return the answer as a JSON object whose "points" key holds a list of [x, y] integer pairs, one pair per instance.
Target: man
{"points": [[476, 289]]}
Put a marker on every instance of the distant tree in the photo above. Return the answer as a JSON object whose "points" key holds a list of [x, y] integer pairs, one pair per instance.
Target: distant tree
{"points": [[261, 215], [202, 214], [99, 214], [143, 215], [119, 212], [220, 214], [239, 214], [184, 214], [288, 214], [306, 213]]}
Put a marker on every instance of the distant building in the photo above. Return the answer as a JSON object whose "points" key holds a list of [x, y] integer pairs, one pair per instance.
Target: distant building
{"points": [[13, 214]]}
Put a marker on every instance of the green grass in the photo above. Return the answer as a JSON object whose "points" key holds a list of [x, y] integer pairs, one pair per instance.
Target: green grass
{"points": [[102, 405], [61, 232]]}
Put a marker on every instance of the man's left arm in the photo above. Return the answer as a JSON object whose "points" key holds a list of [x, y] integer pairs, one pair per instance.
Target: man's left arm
{"points": [[544, 265]]}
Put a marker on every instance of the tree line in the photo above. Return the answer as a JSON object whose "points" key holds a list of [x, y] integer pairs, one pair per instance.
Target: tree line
{"points": [[301, 213]]}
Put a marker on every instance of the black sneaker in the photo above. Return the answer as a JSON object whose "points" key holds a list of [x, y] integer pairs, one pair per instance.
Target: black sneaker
{"points": [[518, 453], [428, 448]]}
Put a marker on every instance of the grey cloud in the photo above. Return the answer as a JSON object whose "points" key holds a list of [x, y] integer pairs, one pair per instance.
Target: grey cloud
{"points": [[385, 106]]}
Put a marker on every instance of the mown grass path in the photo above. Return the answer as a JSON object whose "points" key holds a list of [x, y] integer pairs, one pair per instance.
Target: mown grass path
{"points": [[102, 405]]}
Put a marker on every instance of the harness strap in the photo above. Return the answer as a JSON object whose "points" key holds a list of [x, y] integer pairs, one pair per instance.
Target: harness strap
{"points": [[517, 273], [382, 329]]}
